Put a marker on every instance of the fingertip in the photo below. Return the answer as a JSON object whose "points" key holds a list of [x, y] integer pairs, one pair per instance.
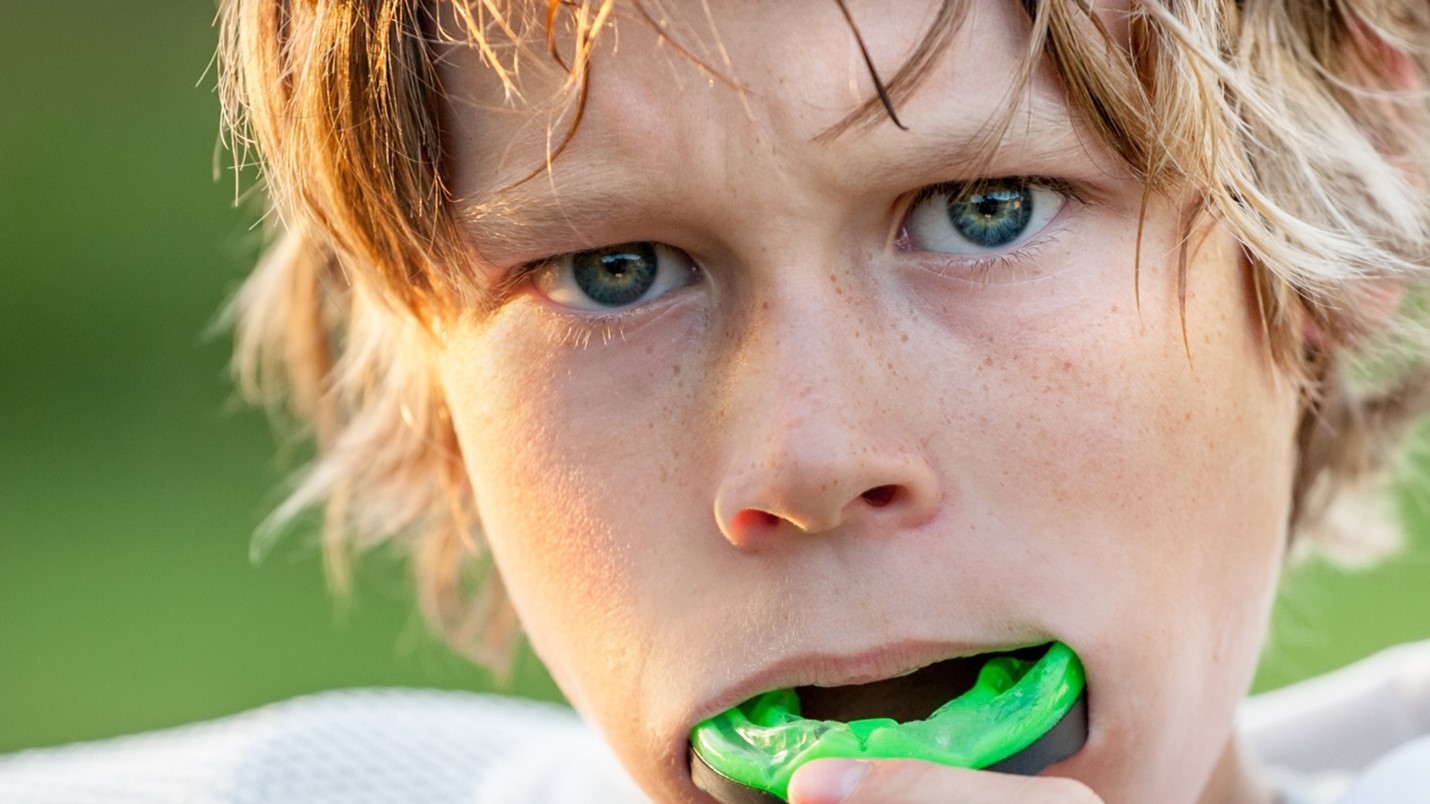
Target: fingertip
{"points": [[826, 781]]}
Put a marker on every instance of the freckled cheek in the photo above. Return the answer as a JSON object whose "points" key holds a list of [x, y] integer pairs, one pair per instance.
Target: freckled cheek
{"points": [[572, 460], [1207, 401], [1090, 428], [1160, 482], [1154, 466]]}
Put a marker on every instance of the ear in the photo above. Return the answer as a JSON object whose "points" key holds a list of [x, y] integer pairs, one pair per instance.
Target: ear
{"points": [[1378, 299], [1394, 87], [1376, 302], [1374, 53], [1375, 62]]}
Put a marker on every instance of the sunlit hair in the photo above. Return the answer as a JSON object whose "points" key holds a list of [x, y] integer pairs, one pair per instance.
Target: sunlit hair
{"points": [[1303, 127]]}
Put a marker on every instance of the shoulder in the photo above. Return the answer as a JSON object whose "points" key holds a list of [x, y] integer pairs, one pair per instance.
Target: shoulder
{"points": [[367, 744], [1400, 777], [1355, 735]]}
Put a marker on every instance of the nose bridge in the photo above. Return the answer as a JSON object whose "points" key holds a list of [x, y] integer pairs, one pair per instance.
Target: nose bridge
{"points": [[809, 359], [819, 429]]}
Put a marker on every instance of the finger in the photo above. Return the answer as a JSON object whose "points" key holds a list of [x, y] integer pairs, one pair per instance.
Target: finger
{"points": [[912, 782]]}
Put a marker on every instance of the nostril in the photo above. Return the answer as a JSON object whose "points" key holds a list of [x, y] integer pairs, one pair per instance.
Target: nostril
{"points": [[753, 519], [880, 496]]}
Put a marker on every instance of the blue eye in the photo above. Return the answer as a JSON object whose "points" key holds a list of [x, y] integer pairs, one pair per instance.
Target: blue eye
{"points": [[973, 218], [615, 277]]}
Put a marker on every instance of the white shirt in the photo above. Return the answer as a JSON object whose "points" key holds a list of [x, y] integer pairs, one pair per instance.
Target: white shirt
{"points": [[363, 746], [1360, 735]]}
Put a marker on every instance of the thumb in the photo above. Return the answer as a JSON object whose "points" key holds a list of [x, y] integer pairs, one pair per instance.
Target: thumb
{"points": [[835, 781]]}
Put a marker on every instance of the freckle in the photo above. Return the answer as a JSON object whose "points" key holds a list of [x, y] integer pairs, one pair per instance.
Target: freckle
{"points": [[1116, 309], [675, 370], [988, 361], [1067, 365], [838, 291], [649, 348], [905, 339], [764, 305]]}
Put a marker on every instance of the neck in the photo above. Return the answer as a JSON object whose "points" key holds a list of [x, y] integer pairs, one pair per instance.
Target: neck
{"points": [[1235, 779]]}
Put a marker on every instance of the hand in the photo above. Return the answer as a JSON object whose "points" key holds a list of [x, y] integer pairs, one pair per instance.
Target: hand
{"points": [[901, 781]]}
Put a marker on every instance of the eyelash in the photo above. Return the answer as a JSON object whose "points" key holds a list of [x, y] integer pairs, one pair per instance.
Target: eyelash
{"points": [[1062, 186], [574, 328], [578, 333], [982, 270]]}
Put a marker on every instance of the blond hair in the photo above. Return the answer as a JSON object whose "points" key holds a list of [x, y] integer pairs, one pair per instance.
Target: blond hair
{"points": [[1302, 127]]}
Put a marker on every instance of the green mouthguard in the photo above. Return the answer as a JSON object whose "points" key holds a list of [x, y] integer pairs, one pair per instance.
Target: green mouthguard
{"points": [[763, 741]]}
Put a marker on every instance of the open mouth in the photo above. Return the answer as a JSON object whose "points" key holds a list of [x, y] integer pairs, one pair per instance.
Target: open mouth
{"points": [[907, 698], [1016, 711]]}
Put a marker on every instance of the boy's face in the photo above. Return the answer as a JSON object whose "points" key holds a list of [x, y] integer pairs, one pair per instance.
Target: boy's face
{"points": [[830, 428]]}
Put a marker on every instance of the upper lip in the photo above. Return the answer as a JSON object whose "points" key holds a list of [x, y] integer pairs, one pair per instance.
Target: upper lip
{"points": [[829, 669]]}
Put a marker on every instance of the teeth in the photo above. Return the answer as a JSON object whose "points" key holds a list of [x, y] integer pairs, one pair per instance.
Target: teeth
{"points": [[902, 674]]}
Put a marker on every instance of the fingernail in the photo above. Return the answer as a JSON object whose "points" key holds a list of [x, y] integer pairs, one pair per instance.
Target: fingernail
{"points": [[827, 781]]}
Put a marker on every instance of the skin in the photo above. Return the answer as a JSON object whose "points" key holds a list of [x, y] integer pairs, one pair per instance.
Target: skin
{"points": [[827, 456]]}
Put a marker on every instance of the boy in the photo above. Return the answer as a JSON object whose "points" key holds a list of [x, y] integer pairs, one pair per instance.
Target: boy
{"points": [[754, 371], [812, 344]]}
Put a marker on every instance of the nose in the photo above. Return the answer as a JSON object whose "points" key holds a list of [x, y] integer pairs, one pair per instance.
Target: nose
{"points": [[824, 432]]}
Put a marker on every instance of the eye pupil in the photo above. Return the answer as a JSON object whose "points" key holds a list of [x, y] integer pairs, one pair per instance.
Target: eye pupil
{"points": [[990, 205], [993, 215], [617, 275], [618, 264]]}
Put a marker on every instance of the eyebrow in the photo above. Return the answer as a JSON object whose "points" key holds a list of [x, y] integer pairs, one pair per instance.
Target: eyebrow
{"points": [[545, 213], [525, 218], [1037, 135]]}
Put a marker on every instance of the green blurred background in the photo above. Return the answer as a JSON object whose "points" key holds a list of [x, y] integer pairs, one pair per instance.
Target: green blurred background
{"points": [[130, 481]]}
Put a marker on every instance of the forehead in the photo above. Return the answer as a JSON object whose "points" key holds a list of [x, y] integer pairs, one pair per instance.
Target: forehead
{"points": [[679, 95], [726, 59]]}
